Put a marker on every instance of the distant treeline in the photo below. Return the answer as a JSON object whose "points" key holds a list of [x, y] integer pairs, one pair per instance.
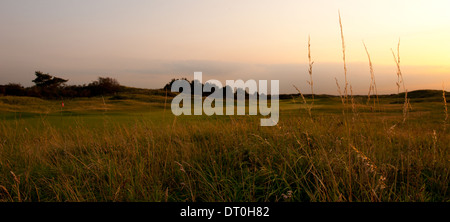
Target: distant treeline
{"points": [[193, 83], [51, 87], [224, 94]]}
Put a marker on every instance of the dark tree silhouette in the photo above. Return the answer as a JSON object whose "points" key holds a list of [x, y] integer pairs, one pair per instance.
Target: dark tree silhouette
{"points": [[46, 80], [104, 86], [168, 86], [47, 86], [13, 89]]}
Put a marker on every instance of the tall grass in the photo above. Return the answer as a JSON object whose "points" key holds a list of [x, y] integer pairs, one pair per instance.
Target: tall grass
{"points": [[310, 82], [445, 107], [373, 84], [406, 104], [310, 72], [224, 160], [399, 71], [343, 58]]}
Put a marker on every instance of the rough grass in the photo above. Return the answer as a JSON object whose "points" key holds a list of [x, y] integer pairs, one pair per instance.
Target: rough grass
{"points": [[134, 151]]}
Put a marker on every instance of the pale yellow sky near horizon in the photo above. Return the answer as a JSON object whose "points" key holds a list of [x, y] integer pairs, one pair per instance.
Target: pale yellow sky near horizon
{"points": [[146, 43]]}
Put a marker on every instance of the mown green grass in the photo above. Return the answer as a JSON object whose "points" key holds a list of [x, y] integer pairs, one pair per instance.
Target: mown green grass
{"points": [[132, 148]]}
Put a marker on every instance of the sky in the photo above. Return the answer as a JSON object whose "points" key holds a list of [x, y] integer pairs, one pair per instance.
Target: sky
{"points": [[145, 43]]}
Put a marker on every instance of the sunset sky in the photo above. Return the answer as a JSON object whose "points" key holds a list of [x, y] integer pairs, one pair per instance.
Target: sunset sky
{"points": [[146, 43]]}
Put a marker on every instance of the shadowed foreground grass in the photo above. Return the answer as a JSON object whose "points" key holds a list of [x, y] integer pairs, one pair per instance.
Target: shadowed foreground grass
{"points": [[335, 154]]}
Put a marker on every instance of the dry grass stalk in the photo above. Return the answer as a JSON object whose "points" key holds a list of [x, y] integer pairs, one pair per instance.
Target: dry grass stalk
{"points": [[406, 104], [304, 100], [435, 140], [367, 161], [373, 85], [399, 71], [343, 58], [16, 185], [310, 82], [3, 191], [301, 94], [352, 99], [445, 106], [339, 91], [372, 168]]}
